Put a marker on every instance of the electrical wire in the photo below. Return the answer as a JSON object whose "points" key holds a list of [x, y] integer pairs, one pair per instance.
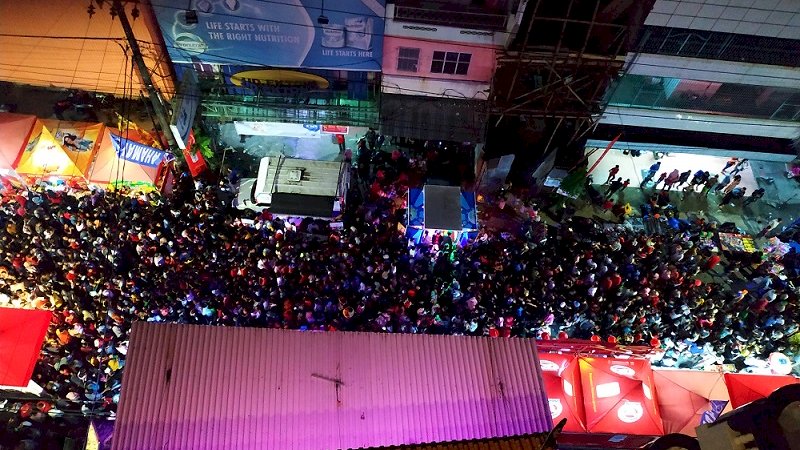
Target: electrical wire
{"points": [[258, 19]]}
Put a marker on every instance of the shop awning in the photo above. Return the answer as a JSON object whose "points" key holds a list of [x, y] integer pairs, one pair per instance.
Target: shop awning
{"points": [[618, 396], [689, 398], [21, 334], [122, 161], [562, 380], [432, 118], [14, 129], [745, 388]]}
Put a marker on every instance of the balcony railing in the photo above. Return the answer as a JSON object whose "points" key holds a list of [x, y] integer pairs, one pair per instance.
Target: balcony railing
{"points": [[332, 111], [447, 17]]}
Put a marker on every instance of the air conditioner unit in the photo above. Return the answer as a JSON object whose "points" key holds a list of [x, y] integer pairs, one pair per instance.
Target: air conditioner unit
{"points": [[295, 175]]}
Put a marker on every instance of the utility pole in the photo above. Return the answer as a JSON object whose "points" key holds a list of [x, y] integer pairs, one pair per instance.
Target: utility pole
{"points": [[144, 73]]}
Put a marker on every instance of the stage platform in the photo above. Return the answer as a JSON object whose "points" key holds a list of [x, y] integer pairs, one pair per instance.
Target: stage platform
{"points": [[436, 210]]}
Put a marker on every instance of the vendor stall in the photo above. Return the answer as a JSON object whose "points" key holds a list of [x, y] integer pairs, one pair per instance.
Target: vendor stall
{"points": [[735, 242], [125, 162]]}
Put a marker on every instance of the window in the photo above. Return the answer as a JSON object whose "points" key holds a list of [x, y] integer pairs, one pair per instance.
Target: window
{"points": [[720, 46], [450, 62], [407, 59]]}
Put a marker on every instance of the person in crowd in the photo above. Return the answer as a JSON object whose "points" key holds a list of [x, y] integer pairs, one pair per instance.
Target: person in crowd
{"points": [[341, 142], [671, 179], [662, 178], [734, 194], [683, 178], [612, 173], [732, 185], [771, 225], [728, 164], [740, 166], [614, 187], [724, 183], [651, 173], [756, 195], [709, 183], [372, 138], [624, 186]]}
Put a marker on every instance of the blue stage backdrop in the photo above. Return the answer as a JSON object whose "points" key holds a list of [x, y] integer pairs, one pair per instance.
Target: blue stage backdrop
{"points": [[277, 33]]}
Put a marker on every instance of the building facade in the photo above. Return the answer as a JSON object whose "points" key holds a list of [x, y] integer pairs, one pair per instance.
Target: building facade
{"points": [[719, 75], [439, 59], [289, 72]]}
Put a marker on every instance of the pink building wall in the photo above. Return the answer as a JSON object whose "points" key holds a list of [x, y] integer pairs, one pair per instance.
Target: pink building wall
{"points": [[481, 67]]}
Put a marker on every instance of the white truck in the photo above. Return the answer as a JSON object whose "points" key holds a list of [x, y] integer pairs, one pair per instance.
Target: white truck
{"points": [[299, 188]]}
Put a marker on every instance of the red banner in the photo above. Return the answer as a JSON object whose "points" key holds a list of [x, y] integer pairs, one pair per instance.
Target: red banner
{"points": [[335, 129], [195, 160]]}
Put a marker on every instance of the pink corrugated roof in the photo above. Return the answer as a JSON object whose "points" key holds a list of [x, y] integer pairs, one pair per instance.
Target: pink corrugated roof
{"points": [[196, 387]]}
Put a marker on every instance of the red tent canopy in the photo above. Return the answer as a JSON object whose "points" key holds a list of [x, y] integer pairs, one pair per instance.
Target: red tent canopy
{"points": [[14, 132], [745, 388], [684, 396], [619, 396], [562, 381], [21, 334]]}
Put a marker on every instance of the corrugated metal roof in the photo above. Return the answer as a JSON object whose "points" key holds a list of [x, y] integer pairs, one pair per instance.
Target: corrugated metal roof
{"points": [[525, 442], [197, 387], [432, 118]]}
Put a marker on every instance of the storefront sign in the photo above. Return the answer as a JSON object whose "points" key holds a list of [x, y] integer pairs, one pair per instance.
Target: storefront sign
{"points": [[278, 78], [186, 103], [335, 129], [194, 159], [137, 153], [280, 129], [283, 33]]}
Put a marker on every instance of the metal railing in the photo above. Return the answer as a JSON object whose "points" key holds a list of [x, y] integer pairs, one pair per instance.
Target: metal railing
{"points": [[460, 19]]}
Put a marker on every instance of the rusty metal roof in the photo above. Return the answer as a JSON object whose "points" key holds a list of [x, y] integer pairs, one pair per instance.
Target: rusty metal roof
{"points": [[525, 442], [197, 387]]}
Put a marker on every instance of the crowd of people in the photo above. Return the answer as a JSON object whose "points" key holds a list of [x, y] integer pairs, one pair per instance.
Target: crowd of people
{"points": [[101, 260]]}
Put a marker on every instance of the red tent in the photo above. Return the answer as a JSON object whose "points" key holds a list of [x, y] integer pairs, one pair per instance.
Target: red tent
{"points": [[125, 161], [619, 396], [14, 132], [745, 388], [688, 398], [21, 334], [562, 380]]}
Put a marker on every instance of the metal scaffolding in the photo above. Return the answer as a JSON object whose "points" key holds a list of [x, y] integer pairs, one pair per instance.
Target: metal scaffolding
{"points": [[563, 60]]}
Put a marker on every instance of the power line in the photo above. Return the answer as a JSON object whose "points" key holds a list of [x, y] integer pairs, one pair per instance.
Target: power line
{"points": [[61, 38], [281, 22]]}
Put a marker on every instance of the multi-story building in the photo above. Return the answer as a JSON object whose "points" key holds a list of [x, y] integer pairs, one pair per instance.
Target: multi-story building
{"points": [[439, 59], [714, 76]]}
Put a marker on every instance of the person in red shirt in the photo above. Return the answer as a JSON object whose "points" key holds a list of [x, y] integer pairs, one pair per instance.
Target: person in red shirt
{"points": [[612, 173], [711, 262], [340, 141]]}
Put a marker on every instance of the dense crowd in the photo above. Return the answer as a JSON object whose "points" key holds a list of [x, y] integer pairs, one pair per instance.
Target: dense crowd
{"points": [[101, 260]]}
